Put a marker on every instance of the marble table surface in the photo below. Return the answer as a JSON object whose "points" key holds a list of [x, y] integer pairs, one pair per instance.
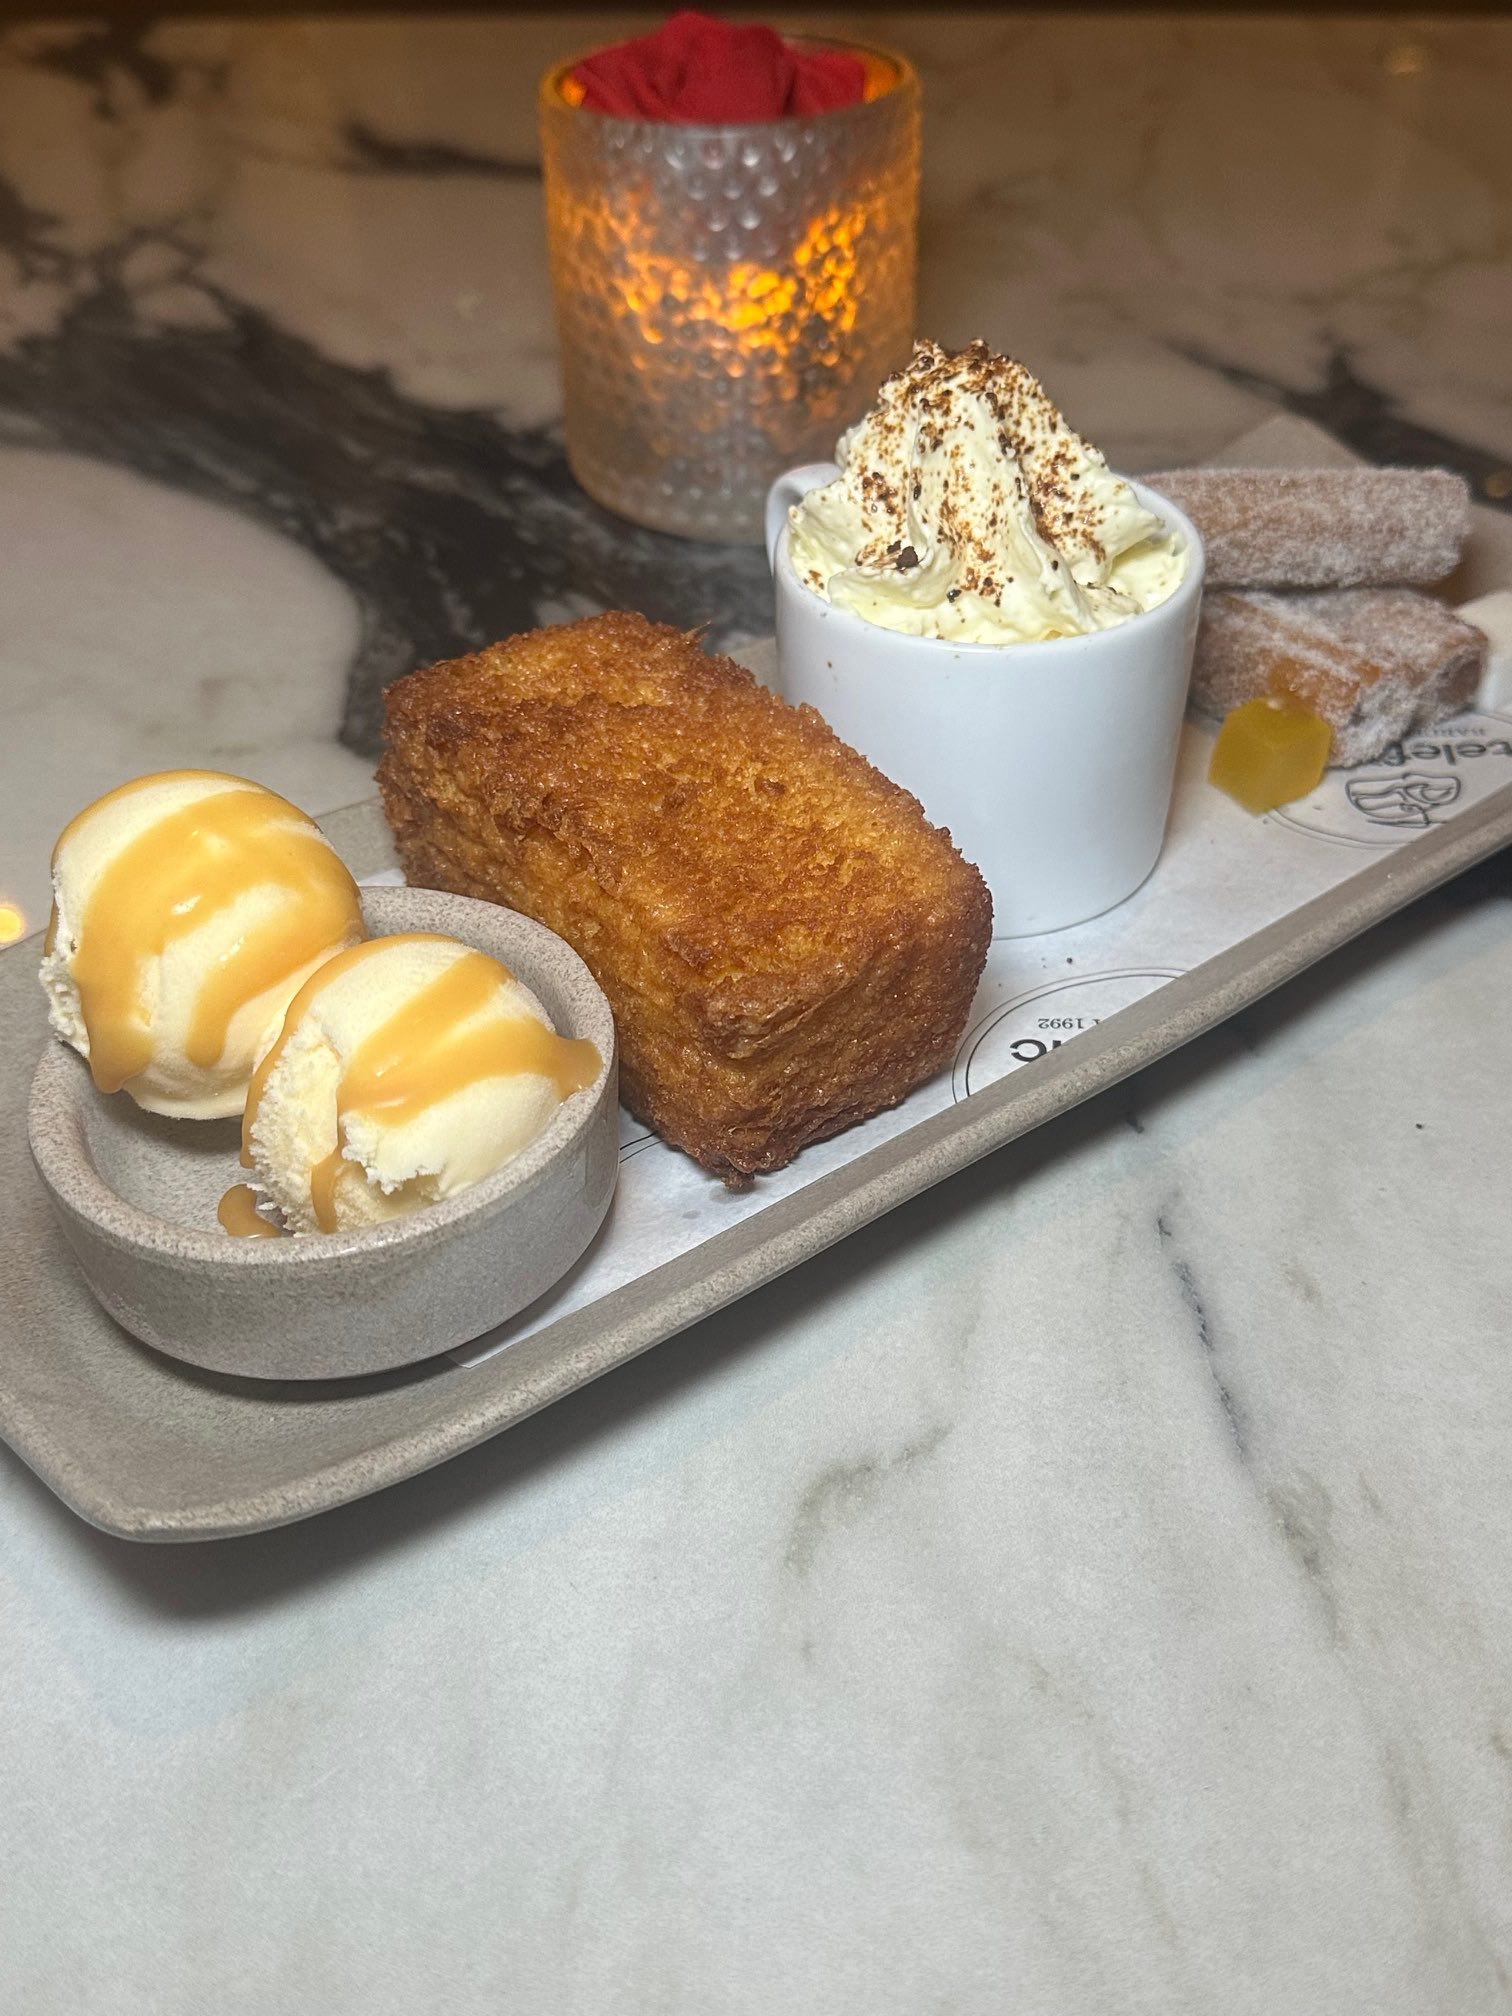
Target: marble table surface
{"points": [[1089, 1590]]}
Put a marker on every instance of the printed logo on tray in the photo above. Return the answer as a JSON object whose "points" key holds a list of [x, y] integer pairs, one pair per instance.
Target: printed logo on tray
{"points": [[1031, 1025], [1416, 783]]}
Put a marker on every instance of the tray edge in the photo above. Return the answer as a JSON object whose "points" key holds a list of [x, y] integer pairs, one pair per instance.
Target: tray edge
{"points": [[556, 1361]]}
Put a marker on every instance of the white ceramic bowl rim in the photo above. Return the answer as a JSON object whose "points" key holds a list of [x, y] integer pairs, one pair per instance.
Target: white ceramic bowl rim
{"points": [[1189, 586], [73, 1178]]}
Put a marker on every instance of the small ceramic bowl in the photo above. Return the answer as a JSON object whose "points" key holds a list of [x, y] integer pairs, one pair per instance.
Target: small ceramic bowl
{"points": [[137, 1196], [1052, 764]]}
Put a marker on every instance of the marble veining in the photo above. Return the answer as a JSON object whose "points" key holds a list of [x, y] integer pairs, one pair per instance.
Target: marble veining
{"points": [[850, 1490], [296, 269], [1085, 1592], [1186, 1282], [919, 1634]]}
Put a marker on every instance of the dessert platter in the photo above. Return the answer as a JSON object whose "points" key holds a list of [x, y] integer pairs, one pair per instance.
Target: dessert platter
{"points": [[646, 979]]}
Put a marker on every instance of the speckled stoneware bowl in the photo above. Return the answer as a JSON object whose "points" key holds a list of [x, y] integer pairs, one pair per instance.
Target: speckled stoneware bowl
{"points": [[137, 1196]]}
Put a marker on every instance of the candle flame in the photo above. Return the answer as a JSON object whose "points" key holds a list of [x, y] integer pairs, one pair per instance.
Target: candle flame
{"points": [[12, 922], [790, 324]]}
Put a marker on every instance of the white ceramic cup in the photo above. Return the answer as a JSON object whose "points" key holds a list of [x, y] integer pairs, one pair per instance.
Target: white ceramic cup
{"points": [[1051, 764]]}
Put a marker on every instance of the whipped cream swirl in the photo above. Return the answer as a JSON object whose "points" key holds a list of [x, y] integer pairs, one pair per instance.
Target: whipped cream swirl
{"points": [[967, 509]]}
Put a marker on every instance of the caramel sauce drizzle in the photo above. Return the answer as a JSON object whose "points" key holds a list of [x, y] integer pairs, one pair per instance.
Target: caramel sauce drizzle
{"points": [[238, 1213], [425, 1052], [190, 865]]}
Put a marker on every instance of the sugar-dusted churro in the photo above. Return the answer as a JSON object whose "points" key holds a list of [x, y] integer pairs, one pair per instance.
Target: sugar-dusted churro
{"points": [[1374, 663], [1323, 528]]}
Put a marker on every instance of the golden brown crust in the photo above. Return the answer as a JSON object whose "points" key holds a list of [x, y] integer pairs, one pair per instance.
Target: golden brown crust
{"points": [[787, 944]]}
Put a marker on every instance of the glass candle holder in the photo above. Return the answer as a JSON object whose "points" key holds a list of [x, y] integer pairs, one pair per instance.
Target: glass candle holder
{"points": [[728, 297]]}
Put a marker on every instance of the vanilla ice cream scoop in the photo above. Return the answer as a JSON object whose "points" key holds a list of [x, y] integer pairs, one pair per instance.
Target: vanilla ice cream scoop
{"points": [[188, 910], [407, 1068], [967, 509]]}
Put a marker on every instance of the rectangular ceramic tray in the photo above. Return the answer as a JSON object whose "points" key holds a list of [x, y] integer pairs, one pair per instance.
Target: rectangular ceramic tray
{"points": [[151, 1449]]}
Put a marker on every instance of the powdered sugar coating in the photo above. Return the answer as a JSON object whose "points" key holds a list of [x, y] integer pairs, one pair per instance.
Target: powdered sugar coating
{"points": [[1374, 663], [1323, 528]]}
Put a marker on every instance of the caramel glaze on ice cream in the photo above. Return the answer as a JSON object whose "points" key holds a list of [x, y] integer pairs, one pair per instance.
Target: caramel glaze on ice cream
{"points": [[171, 879], [430, 1049], [238, 1214]]}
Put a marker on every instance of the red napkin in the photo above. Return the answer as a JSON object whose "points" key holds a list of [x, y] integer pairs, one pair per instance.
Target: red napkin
{"points": [[699, 71]]}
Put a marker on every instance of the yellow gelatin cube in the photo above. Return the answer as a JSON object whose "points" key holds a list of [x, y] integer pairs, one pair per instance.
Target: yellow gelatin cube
{"points": [[1270, 752]]}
